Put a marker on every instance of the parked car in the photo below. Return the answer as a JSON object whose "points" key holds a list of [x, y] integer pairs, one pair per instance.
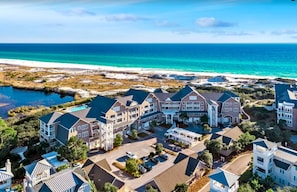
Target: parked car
{"points": [[131, 155], [142, 169], [154, 160], [77, 164], [164, 156], [147, 166], [144, 159]]}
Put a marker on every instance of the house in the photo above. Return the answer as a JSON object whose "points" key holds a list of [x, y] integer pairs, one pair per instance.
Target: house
{"points": [[100, 173], [228, 137], [5, 177], [37, 172], [48, 128], [223, 181], [278, 162], [286, 105], [185, 170], [63, 181], [99, 122]]}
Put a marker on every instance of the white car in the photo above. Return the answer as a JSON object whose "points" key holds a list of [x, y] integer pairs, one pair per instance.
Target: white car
{"points": [[131, 155]]}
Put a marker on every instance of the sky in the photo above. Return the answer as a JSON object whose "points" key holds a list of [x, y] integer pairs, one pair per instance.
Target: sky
{"points": [[148, 21]]}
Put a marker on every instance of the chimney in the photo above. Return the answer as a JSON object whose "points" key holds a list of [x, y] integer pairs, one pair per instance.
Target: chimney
{"points": [[8, 166]]}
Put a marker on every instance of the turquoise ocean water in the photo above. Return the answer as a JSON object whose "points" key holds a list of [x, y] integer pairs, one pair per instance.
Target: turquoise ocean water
{"points": [[277, 60]]}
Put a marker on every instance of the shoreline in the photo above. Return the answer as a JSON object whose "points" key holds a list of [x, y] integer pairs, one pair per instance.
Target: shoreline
{"points": [[140, 71]]}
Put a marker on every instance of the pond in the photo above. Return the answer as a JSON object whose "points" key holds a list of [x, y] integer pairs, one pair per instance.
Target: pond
{"points": [[12, 97]]}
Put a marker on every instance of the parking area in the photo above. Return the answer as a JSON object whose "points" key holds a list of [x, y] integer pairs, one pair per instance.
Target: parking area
{"points": [[141, 148]]}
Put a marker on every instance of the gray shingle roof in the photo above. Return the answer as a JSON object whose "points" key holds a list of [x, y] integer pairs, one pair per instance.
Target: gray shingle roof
{"points": [[224, 177], [37, 167], [99, 106], [182, 93], [50, 118], [67, 120], [283, 92], [63, 181], [138, 95], [264, 143], [227, 95]]}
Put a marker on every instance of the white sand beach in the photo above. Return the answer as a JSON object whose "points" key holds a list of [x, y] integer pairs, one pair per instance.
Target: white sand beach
{"points": [[38, 64]]}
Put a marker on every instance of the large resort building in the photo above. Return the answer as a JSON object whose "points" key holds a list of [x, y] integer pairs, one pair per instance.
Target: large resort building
{"points": [[104, 117]]}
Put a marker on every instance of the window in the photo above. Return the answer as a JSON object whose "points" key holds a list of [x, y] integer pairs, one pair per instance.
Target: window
{"points": [[193, 98], [282, 171], [295, 178], [116, 108], [260, 159]]}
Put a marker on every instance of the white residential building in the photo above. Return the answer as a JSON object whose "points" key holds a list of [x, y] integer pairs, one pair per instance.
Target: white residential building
{"points": [[286, 104], [223, 181], [5, 177], [278, 162]]}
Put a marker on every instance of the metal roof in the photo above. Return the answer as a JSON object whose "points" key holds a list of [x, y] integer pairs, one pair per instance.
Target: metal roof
{"points": [[224, 177]]}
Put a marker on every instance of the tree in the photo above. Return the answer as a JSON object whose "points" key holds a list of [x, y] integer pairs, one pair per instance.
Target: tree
{"points": [[74, 150], [149, 188], [181, 187], [256, 184], [132, 166], [93, 186], [246, 139], [214, 146], [184, 116], [207, 158], [247, 126], [206, 127], [134, 134], [237, 147], [7, 135], [246, 188], [108, 187], [118, 140], [269, 183], [204, 119], [282, 124], [159, 148]]}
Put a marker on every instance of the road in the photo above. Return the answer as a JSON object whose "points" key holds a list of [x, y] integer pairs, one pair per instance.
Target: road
{"points": [[238, 166]]}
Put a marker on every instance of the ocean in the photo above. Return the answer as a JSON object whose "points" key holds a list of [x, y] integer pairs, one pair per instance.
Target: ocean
{"points": [[274, 60]]}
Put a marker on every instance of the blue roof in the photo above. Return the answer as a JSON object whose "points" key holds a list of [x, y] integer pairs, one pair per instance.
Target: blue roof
{"points": [[227, 95], [224, 177], [182, 93], [138, 95], [67, 120], [99, 106], [281, 93], [191, 166], [281, 164], [50, 118], [179, 158], [264, 143]]}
